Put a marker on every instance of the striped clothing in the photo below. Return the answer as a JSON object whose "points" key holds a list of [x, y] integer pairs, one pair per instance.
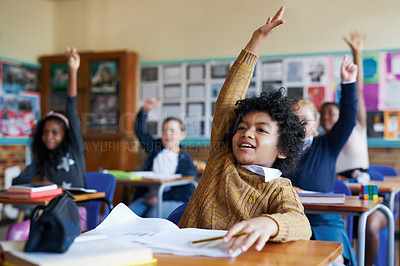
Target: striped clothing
{"points": [[228, 193]]}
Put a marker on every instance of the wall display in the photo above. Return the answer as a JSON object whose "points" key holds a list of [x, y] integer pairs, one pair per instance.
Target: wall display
{"points": [[189, 90], [19, 99]]}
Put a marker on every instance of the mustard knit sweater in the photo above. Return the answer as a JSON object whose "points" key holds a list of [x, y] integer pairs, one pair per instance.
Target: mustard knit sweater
{"points": [[228, 193]]}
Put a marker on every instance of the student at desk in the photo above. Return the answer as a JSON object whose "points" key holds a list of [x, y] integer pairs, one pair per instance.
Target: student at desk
{"points": [[318, 161], [165, 156], [353, 160], [241, 189], [57, 145]]}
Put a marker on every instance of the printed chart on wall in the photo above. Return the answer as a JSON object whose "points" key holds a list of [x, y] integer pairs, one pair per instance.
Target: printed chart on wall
{"points": [[19, 99], [189, 89]]}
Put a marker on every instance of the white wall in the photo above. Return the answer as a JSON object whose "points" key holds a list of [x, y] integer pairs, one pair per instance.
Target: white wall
{"points": [[191, 29]]}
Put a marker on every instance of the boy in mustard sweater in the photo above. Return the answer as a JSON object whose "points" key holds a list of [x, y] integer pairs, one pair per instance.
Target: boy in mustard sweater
{"points": [[241, 188]]}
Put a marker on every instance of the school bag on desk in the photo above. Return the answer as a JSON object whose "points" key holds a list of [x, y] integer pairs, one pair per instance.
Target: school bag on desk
{"points": [[56, 227]]}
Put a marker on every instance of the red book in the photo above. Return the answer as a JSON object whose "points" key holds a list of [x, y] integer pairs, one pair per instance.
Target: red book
{"points": [[30, 195]]}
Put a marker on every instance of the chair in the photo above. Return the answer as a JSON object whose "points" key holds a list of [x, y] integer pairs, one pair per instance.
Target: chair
{"points": [[378, 172], [176, 214], [102, 183], [341, 187]]}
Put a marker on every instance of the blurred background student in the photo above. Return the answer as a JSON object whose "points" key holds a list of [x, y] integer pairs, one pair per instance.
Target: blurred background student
{"points": [[164, 156]]}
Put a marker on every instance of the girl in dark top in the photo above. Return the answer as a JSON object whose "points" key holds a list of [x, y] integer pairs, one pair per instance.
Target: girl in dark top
{"points": [[57, 146]]}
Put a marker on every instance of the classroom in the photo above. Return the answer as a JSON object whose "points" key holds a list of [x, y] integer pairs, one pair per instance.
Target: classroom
{"points": [[182, 51]]}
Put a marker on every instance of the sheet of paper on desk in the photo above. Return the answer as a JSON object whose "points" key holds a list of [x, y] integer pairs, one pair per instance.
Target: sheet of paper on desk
{"points": [[161, 235], [152, 175]]}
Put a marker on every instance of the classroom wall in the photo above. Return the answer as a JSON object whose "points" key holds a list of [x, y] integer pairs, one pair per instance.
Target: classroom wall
{"points": [[189, 29]]}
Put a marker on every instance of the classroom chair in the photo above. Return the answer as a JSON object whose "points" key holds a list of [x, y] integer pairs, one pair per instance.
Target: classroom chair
{"points": [[176, 214], [102, 182], [341, 187]]}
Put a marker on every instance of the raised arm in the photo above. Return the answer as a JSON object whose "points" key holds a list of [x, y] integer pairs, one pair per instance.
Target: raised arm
{"points": [[259, 36], [73, 60], [356, 43]]}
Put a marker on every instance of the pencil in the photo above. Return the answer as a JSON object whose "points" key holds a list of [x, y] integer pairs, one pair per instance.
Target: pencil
{"points": [[216, 238]]}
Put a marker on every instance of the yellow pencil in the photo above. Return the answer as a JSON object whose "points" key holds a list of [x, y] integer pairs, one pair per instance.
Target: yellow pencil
{"points": [[216, 238]]}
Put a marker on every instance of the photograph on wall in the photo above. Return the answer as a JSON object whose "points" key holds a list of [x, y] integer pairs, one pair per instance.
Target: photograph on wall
{"points": [[219, 70], [375, 124], [271, 85], [172, 92], [194, 128], [19, 113], [272, 70], [294, 70], [194, 109], [196, 72], [16, 77], [149, 74], [172, 73], [104, 76], [392, 124], [317, 95], [371, 68], [103, 111], [316, 70], [196, 91], [295, 92], [393, 65], [59, 76]]}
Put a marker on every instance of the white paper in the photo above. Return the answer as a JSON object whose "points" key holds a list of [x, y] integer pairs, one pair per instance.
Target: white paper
{"points": [[152, 175], [272, 70], [195, 72], [395, 65], [171, 110], [195, 109], [196, 91], [161, 235], [149, 91], [172, 73], [172, 91]]}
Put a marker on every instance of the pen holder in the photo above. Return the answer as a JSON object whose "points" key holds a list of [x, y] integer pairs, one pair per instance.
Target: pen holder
{"points": [[369, 192]]}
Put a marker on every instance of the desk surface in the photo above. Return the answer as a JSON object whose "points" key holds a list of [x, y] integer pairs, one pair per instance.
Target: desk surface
{"points": [[387, 186], [304, 252], [352, 204], [45, 201], [148, 181]]}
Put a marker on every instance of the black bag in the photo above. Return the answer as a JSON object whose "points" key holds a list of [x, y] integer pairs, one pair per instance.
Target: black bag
{"points": [[56, 228]]}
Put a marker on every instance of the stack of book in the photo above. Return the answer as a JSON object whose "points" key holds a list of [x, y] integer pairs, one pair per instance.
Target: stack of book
{"points": [[31, 191]]}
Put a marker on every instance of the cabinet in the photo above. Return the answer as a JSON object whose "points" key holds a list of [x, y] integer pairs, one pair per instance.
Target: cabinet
{"points": [[107, 104]]}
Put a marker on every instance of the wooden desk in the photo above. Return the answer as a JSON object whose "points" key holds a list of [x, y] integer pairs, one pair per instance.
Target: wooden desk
{"points": [[363, 208], [161, 184], [45, 201], [304, 252], [390, 186]]}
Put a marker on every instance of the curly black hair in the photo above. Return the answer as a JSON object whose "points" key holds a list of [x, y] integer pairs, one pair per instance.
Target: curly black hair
{"points": [[39, 150], [291, 131]]}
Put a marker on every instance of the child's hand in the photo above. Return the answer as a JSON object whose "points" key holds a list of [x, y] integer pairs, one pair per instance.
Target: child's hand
{"points": [[261, 33], [259, 230], [348, 70], [298, 190], [150, 104], [356, 41], [73, 58]]}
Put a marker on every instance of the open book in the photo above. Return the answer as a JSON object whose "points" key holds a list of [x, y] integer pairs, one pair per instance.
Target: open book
{"points": [[86, 250], [162, 235]]}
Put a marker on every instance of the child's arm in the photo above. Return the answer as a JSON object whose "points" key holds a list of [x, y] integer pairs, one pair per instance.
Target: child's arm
{"points": [[73, 59], [356, 43], [238, 79], [146, 140]]}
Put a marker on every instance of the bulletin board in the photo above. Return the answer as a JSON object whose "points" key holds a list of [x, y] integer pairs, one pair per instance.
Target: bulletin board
{"points": [[19, 100], [189, 88]]}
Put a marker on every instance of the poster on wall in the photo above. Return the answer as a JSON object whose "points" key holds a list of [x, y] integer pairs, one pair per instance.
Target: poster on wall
{"points": [[16, 77], [371, 68]]}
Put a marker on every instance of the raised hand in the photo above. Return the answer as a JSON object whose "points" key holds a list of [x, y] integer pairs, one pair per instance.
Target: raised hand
{"points": [[261, 33], [150, 104], [348, 70], [73, 58], [356, 41]]}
